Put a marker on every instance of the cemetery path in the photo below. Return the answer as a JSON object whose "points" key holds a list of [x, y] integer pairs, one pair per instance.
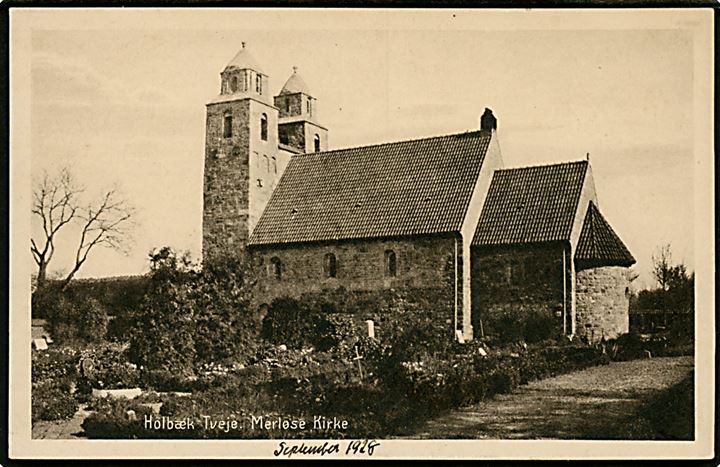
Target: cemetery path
{"points": [[61, 429], [595, 403]]}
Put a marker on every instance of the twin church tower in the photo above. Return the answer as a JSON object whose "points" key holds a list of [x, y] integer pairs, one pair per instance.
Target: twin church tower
{"points": [[250, 137]]}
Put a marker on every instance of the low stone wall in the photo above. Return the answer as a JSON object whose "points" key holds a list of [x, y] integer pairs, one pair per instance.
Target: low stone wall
{"points": [[602, 302]]}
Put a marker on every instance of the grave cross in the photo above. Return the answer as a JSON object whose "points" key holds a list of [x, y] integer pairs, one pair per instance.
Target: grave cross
{"points": [[357, 358]]}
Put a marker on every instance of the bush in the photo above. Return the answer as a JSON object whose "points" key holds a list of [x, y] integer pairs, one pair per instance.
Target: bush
{"points": [[71, 320], [112, 369], [335, 319], [287, 322], [54, 365], [110, 419], [190, 318], [518, 324], [52, 402]]}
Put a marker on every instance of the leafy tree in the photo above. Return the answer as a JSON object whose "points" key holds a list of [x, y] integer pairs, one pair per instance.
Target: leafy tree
{"points": [[190, 317], [162, 329]]}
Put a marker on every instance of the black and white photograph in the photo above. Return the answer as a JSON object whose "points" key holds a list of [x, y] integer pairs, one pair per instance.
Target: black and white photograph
{"points": [[361, 234]]}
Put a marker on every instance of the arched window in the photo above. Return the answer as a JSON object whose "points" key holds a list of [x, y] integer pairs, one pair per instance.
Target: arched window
{"points": [[227, 126], [317, 143], [263, 127], [309, 106], [267, 163], [234, 84], [274, 163], [287, 106], [390, 264], [330, 265], [276, 267], [258, 83]]}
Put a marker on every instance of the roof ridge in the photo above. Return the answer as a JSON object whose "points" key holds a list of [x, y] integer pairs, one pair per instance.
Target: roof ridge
{"points": [[538, 166], [389, 143]]}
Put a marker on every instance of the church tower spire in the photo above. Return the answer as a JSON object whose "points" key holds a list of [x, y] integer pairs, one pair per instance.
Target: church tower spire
{"points": [[243, 77], [298, 126], [242, 161]]}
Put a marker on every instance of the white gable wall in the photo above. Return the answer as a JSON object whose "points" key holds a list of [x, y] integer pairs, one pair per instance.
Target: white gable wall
{"points": [[493, 161], [587, 194]]}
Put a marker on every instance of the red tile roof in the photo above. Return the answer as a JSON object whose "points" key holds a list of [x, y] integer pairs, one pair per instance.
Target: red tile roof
{"points": [[396, 189], [599, 245], [531, 204]]}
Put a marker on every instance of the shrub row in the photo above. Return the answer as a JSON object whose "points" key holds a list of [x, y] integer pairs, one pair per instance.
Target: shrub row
{"points": [[392, 397]]}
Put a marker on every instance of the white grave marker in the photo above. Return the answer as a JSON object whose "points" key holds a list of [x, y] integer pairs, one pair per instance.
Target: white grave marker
{"points": [[40, 344], [371, 328]]}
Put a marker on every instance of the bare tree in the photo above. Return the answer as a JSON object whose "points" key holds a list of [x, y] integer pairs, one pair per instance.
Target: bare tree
{"points": [[662, 266], [106, 223], [55, 203]]}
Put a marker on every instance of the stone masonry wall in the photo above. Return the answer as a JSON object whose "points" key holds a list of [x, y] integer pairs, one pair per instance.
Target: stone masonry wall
{"points": [[518, 279], [602, 302], [289, 105], [293, 134], [225, 190], [425, 262]]}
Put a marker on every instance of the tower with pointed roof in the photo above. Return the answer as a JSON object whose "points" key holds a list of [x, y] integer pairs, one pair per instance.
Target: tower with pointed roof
{"points": [[298, 127], [242, 160]]}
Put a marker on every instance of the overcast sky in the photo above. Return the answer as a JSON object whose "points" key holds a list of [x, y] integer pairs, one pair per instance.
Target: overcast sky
{"points": [[126, 105]]}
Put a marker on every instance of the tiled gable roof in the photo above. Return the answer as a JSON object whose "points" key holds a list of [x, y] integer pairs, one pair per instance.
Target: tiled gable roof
{"points": [[531, 204], [599, 244], [405, 188]]}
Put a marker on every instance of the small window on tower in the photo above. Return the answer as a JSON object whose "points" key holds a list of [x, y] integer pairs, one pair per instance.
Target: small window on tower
{"points": [[274, 163], [258, 83], [317, 143], [227, 126], [267, 163], [309, 106], [234, 84], [263, 127], [390, 264], [287, 106]]}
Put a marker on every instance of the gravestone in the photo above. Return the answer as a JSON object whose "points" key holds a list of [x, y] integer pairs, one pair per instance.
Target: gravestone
{"points": [[39, 344], [87, 366], [370, 328]]}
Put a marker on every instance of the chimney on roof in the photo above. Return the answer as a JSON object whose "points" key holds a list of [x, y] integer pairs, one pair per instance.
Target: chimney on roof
{"points": [[488, 120]]}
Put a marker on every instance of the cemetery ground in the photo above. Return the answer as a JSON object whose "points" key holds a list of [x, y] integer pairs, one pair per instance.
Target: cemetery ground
{"points": [[190, 348], [619, 400]]}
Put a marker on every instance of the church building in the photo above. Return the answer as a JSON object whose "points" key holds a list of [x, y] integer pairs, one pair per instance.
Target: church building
{"points": [[440, 213]]}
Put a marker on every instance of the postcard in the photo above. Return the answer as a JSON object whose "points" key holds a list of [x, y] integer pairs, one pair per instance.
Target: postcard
{"points": [[361, 234]]}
